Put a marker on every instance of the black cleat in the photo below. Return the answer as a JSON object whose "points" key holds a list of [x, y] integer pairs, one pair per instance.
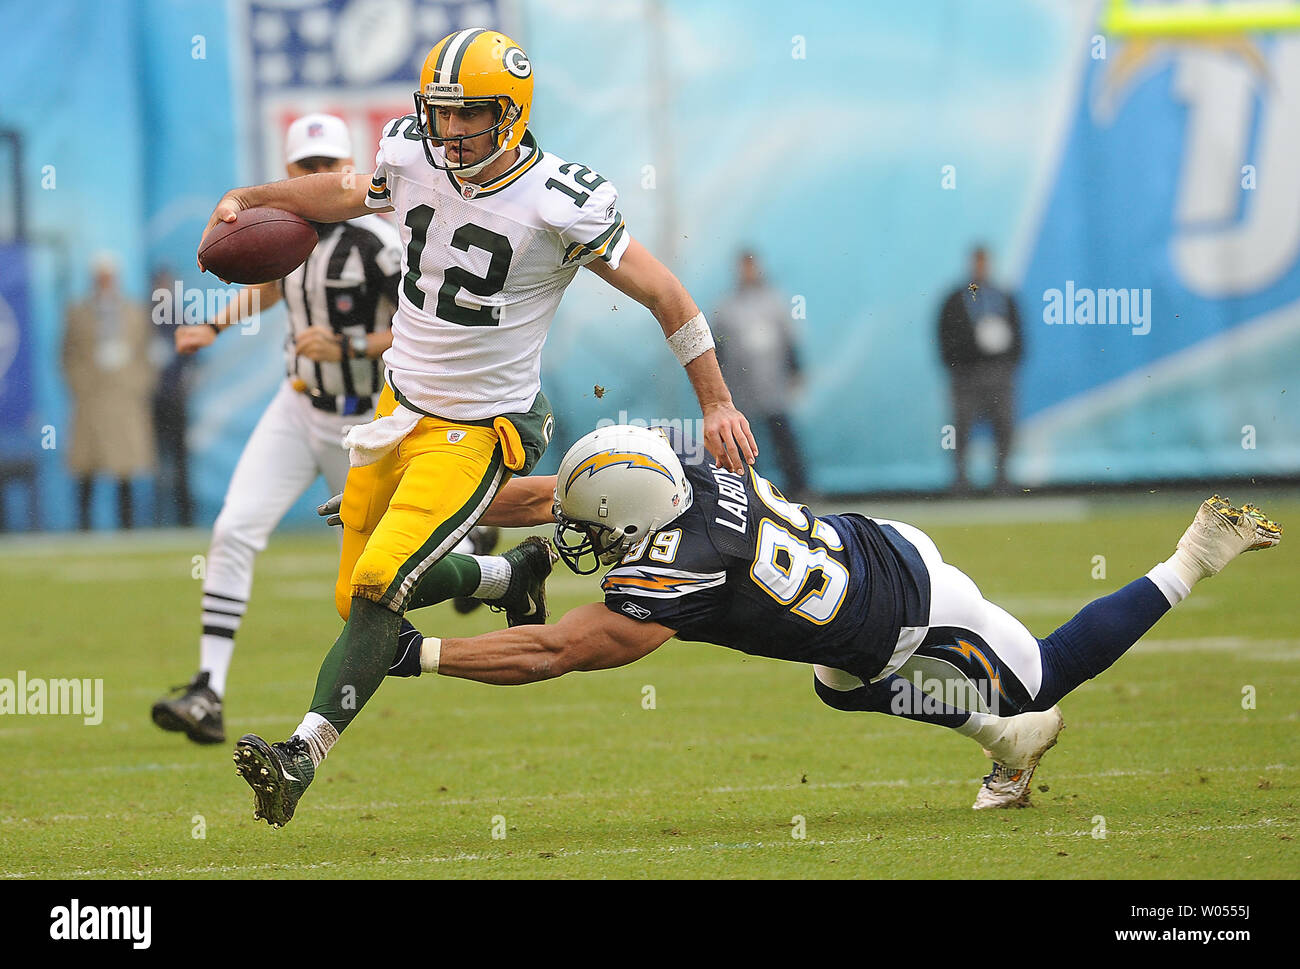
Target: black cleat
{"points": [[278, 774], [484, 539], [197, 712], [525, 600]]}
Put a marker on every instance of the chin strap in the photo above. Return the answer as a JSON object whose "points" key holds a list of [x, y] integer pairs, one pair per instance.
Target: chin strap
{"points": [[473, 170]]}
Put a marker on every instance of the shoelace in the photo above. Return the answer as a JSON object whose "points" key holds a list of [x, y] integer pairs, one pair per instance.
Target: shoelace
{"points": [[998, 773], [294, 746]]}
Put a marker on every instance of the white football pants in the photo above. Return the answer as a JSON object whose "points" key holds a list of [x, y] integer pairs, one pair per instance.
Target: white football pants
{"points": [[955, 602]]}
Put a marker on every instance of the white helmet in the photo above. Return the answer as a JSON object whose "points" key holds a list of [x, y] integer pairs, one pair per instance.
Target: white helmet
{"points": [[615, 486]]}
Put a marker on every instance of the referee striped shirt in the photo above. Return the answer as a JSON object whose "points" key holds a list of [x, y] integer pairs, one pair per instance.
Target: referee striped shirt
{"points": [[349, 284]]}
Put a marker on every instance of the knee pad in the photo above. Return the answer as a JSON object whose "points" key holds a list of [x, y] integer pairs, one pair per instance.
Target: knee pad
{"points": [[837, 699]]}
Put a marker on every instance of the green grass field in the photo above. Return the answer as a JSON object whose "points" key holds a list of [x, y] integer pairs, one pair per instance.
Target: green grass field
{"points": [[584, 781]]}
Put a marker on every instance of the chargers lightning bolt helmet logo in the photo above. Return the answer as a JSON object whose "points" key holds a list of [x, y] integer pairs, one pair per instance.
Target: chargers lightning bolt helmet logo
{"points": [[614, 486], [610, 459]]}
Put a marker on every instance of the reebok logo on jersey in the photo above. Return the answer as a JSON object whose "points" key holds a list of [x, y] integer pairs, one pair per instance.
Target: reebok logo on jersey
{"points": [[455, 437], [635, 611]]}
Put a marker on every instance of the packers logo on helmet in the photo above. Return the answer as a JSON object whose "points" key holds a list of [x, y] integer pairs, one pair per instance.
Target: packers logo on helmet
{"points": [[517, 63], [473, 67]]}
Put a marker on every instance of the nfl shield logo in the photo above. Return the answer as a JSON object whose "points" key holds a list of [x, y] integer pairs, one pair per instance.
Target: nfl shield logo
{"points": [[469, 191], [455, 437], [315, 130], [352, 58], [343, 303]]}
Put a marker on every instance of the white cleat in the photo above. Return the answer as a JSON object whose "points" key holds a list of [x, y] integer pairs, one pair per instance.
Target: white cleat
{"points": [[1220, 532], [1015, 757]]}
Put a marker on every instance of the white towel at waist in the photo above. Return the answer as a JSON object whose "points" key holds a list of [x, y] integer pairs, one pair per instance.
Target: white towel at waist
{"points": [[367, 443]]}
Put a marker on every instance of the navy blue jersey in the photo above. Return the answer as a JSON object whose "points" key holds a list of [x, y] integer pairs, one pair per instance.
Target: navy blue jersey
{"points": [[743, 567]]}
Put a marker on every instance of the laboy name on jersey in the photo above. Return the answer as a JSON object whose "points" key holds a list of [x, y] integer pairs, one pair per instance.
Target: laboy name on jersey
{"points": [[733, 501]]}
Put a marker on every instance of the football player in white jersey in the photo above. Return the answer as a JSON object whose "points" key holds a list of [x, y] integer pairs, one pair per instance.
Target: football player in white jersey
{"points": [[493, 229], [340, 304]]}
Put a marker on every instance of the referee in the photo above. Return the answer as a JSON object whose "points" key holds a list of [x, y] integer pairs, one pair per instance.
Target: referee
{"points": [[340, 305]]}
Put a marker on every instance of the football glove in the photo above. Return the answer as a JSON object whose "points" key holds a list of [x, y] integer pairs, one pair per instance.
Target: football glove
{"points": [[330, 510]]}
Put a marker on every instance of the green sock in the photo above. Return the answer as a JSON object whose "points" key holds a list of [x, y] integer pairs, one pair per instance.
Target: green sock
{"points": [[454, 575], [357, 664]]}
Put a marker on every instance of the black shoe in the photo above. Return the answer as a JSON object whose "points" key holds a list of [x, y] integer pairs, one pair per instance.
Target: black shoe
{"points": [[197, 712], [484, 539], [278, 773], [525, 600]]}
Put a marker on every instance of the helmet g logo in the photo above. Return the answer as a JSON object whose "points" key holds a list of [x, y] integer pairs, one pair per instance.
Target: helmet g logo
{"points": [[517, 63]]}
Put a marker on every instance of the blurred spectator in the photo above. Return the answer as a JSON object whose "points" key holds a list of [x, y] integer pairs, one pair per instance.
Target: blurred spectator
{"points": [[172, 501], [110, 374], [980, 342], [755, 346]]}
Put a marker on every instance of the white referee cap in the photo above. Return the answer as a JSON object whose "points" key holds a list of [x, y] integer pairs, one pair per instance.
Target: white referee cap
{"points": [[317, 136]]}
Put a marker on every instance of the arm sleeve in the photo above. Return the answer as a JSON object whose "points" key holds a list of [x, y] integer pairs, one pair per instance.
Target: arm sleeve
{"points": [[598, 232]]}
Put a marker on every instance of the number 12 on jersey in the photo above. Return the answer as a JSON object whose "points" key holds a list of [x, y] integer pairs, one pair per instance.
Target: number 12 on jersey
{"points": [[455, 278]]}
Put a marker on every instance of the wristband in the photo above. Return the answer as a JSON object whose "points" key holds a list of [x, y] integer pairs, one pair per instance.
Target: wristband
{"points": [[691, 339], [430, 654]]}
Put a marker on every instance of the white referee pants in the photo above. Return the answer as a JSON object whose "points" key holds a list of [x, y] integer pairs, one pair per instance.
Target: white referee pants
{"points": [[292, 444]]}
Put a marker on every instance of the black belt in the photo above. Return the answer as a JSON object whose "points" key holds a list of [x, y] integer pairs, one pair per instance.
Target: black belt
{"points": [[342, 404]]}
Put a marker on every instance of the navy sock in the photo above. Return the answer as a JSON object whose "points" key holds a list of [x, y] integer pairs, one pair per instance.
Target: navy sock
{"points": [[896, 697], [1100, 634]]}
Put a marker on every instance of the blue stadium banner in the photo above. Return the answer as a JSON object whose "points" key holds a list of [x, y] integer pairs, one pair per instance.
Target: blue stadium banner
{"points": [[16, 393]]}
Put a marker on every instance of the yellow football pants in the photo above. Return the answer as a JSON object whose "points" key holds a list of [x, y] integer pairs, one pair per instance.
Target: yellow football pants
{"points": [[406, 511]]}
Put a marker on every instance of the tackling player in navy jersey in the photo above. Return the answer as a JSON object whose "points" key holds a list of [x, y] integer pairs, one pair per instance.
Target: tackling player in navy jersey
{"points": [[711, 556]]}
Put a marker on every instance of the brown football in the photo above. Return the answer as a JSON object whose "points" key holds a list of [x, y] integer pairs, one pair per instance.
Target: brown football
{"points": [[262, 244]]}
